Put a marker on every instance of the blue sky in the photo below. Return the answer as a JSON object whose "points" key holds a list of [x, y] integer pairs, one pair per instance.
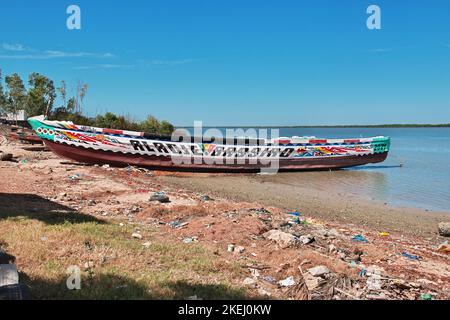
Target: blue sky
{"points": [[233, 62]]}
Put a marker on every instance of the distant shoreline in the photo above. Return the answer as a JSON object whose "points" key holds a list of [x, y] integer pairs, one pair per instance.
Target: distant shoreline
{"points": [[336, 126]]}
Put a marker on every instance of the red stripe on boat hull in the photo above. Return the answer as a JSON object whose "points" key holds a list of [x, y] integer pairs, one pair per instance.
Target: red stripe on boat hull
{"points": [[91, 156]]}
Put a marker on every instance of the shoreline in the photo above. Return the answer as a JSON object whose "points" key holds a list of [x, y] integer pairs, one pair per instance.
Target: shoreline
{"points": [[324, 204]]}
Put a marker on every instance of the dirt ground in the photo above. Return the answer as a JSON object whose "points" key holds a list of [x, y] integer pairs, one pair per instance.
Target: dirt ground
{"points": [[54, 214]]}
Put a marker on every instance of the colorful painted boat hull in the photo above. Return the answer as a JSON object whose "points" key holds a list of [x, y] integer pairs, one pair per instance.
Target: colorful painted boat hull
{"points": [[123, 148]]}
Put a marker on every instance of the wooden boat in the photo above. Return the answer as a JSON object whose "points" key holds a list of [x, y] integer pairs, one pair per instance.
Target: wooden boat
{"points": [[19, 133], [25, 137], [122, 148]]}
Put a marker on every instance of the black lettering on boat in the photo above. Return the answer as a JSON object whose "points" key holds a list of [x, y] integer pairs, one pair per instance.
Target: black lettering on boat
{"points": [[185, 149], [230, 152], [217, 152], [196, 150], [253, 152], [137, 145], [241, 152], [174, 148], [275, 152], [286, 153], [265, 153], [161, 148], [149, 148]]}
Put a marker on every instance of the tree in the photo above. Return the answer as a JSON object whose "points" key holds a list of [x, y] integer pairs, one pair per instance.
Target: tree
{"points": [[150, 125], [108, 120], [63, 92], [82, 89], [17, 95], [41, 95], [166, 127], [2, 95], [71, 105]]}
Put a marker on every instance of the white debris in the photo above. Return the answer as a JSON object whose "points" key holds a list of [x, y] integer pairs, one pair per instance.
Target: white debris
{"points": [[249, 282], [137, 235], [288, 282], [319, 271], [280, 237]]}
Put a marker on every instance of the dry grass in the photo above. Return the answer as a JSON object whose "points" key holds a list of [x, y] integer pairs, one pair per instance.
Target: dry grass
{"points": [[114, 265]]}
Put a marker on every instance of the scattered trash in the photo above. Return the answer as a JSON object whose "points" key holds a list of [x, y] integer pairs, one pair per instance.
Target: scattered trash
{"points": [[177, 224], [239, 249], [444, 248], [260, 211], [190, 240], [249, 282], [444, 229], [288, 282], [311, 282], [410, 256], [296, 217], [307, 239], [269, 279], [360, 238], [280, 237], [160, 196], [426, 296], [206, 198], [75, 177], [254, 272], [363, 273], [137, 235], [319, 271], [147, 244], [374, 282]]}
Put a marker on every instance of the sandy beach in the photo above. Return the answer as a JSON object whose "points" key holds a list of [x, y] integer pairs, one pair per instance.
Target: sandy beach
{"points": [[219, 237], [313, 194]]}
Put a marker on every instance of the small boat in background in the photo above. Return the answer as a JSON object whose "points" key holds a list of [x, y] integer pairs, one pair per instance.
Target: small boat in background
{"points": [[19, 133], [123, 148], [27, 137]]}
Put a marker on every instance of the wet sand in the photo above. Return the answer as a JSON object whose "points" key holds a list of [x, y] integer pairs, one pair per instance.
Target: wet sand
{"points": [[316, 194]]}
